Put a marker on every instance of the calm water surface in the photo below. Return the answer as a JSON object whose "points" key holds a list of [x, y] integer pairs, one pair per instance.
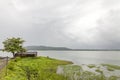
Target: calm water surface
{"points": [[81, 57]]}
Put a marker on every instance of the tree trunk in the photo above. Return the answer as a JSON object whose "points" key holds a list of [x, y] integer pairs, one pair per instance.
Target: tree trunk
{"points": [[13, 55]]}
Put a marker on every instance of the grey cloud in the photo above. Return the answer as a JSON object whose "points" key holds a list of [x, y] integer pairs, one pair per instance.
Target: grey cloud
{"points": [[44, 22], [108, 30]]}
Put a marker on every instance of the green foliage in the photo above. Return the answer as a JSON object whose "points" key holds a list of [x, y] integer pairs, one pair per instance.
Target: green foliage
{"points": [[113, 78], [39, 68], [14, 45], [10, 66], [91, 65], [110, 69], [74, 72], [43, 68], [17, 59], [116, 67], [99, 71]]}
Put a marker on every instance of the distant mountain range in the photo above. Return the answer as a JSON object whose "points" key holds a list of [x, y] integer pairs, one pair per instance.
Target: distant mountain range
{"points": [[46, 48], [65, 48]]}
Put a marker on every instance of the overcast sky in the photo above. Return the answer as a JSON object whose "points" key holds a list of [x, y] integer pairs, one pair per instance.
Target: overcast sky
{"points": [[69, 23]]}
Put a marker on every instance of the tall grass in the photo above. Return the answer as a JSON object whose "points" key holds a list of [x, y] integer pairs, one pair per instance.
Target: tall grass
{"points": [[44, 68], [74, 72], [39, 68]]}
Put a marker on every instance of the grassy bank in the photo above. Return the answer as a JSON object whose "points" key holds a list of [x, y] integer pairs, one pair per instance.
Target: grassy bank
{"points": [[89, 72], [45, 68], [39, 68]]}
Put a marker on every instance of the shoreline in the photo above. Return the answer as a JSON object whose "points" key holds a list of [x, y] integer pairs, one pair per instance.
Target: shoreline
{"points": [[93, 69]]}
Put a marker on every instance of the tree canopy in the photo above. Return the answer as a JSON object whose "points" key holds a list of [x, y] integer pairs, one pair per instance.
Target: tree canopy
{"points": [[14, 45]]}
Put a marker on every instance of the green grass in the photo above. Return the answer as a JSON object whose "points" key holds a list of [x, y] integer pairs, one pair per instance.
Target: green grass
{"points": [[91, 65], [99, 71], [113, 78], [111, 67], [44, 68], [75, 72], [39, 68]]}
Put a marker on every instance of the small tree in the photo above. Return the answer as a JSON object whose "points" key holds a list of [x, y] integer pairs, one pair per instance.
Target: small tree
{"points": [[14, 45]]}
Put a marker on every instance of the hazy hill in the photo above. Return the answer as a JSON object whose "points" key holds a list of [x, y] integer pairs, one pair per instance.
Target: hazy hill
{"points": [[46, 48]]}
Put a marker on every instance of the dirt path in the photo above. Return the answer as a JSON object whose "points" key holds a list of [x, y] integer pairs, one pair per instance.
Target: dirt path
{"points": [[2, 63]]}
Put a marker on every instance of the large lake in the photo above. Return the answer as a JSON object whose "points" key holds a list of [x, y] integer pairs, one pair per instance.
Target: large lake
{"points": [[81, 57]]}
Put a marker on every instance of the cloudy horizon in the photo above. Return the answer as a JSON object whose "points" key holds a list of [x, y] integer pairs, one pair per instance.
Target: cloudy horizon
{"points": [[69, 23]]}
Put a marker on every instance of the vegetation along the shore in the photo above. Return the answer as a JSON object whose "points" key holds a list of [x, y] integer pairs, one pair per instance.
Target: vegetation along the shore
{"points": [[45, 68], [37, 68]]}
